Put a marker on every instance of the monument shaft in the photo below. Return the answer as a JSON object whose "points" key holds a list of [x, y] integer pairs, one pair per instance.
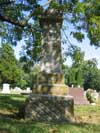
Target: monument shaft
{"points": [[50, 80], [51, 51]]}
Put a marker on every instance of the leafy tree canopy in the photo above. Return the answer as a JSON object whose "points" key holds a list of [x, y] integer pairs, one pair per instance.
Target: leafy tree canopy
{"points": [[20, 21], [82, 73], [20, 16], [91, 75]]}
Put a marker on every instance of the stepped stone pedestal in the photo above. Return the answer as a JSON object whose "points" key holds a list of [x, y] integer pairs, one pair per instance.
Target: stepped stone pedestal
{"points": [[50, 83], [49, 100], [49, 108]]}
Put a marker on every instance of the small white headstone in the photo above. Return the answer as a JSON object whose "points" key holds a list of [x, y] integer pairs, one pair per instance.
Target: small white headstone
{"points": [[72, 85], [95, 95], [28, 90], [17, 90], [6, 88], [93, 104]]}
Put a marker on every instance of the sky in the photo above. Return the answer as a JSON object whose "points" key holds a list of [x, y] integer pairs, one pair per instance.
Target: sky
{"points": [[90, 51], [18, 48]]}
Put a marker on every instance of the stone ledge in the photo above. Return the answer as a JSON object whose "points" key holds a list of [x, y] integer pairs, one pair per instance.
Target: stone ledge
{"points": [[53, 89], [50, 78], [49, 108]]}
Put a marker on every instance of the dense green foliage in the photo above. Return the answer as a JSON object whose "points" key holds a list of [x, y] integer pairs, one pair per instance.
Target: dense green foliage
{"points": [[82, 73], [9, 70], [13, 71], [91, 75], [22, 21], [74, 75]]}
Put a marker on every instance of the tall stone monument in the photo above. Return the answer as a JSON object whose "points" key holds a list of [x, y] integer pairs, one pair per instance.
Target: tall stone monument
{"points": [[49, 101], [51, 78]]}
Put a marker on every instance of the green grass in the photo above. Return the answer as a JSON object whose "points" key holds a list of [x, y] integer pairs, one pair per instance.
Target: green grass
{"points": [[10, 103], [87, 119]]}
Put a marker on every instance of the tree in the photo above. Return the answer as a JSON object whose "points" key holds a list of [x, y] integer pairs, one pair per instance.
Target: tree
{"points": [[21, 17], [76, 55], [75, 74], [9, 70], [31, 51], [21, 21], [91, 75], [83, 73]]}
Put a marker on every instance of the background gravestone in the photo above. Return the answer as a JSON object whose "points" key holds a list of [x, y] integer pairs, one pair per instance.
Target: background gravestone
{"points": [[78, 95], [6, 88]]}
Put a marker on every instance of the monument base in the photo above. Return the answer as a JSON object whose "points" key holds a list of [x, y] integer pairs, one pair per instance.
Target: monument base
{"points": [[49, 101], [52, 83], [54, 89], [49, 108]]}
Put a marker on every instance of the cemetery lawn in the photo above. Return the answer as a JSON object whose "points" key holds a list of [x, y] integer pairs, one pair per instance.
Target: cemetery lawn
{"points": [[87, 119]]}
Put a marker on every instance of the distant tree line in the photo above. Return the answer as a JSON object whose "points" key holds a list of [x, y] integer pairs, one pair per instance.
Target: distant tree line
{"points": [[21, 73], [12, 71], [83, 73]]}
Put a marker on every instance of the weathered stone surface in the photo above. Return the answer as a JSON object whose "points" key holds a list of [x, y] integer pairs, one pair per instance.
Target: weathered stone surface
{"points": [[50, 83], [51, 58], [50, 78], [49, 101], [49, 108], [54, 89], [78, 95]]}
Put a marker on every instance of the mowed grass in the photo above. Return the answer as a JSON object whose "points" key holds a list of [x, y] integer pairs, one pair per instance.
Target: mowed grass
{"points": [[87, 119]]}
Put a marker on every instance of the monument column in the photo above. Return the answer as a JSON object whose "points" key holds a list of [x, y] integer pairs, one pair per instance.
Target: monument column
{"points": [[51, 78], [49, 100], [51, 51]]}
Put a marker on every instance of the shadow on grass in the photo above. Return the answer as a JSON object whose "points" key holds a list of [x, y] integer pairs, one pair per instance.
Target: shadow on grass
{"points": [[10, 123], [11, 102], [3, 130], [23, 126]]}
